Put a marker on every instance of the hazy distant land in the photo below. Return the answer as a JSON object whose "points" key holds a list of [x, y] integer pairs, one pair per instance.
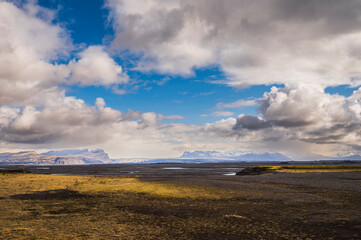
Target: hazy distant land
{"points": [[99, 156]]}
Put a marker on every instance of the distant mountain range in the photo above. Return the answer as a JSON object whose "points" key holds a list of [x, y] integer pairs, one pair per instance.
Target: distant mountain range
{"points": [[235, 155], [98, 156], [213, 157], [249, 156], [84, 156]]}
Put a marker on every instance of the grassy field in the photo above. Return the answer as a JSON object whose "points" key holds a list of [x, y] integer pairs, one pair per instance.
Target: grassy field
{"points": [[115, 207], [254, 170], [317, 168]]}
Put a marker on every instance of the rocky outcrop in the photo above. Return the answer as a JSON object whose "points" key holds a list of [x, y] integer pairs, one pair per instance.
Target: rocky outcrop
{"points": [[68, 160], [254, 171]]}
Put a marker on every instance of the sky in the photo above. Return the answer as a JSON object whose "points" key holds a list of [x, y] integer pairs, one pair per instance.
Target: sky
{"points": [[155, 78]]}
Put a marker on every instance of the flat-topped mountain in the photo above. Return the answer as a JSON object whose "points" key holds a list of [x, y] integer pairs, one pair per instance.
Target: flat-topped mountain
{"points": [[84, 156], [26, 157], [93, 156]]}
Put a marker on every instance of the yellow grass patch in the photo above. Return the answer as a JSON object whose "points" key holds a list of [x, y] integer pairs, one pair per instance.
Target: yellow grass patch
{"points": [[316, 168], [26, 183], [125, 184]]}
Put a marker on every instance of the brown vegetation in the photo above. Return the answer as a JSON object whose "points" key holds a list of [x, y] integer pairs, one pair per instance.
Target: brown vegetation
{"points": [[115, 207]]}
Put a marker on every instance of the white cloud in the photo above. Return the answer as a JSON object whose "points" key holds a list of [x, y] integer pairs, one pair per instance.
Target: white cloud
{"points": [[27, 45], [255, 42], [221, 128], [306, 115], [29, 50], [303, 106], [305, 45], [293, 42], [34, 111], [7, 115], [95, 67], [162, 29]]}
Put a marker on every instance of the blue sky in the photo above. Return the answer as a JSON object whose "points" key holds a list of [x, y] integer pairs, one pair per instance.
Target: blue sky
{"points": [[190, 97], [86, 23], [154, 78]]}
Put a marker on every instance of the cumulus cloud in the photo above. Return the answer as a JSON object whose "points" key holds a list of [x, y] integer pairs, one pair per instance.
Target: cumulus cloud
{"points": [[73, 124], [250, 122], [221, 128], [305, 114], [95, 67], [291, 120], [255, 42], [34, 110], [293, 42], [162, 29], [306, 105], [29, 49], [27, 45], [305, 45], [29, 124]]}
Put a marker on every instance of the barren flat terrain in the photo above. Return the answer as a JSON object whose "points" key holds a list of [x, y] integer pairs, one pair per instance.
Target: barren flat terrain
{"points": [[175, 201]]}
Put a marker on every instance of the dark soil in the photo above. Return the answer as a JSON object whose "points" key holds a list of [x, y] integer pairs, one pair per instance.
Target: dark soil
{"points": [[10, 171], [57, 194], [265, 206]]}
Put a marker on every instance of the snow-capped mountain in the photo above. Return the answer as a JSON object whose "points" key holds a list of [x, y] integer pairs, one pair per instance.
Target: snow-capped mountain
{"points": [[94, 156], [235, 155]]}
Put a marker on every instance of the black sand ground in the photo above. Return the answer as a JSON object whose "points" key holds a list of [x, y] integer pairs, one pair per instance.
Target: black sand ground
{"points": [[323, 205]]}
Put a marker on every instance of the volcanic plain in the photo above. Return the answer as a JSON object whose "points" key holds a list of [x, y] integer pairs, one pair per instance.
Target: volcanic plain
{"points": [[181, 201]]}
